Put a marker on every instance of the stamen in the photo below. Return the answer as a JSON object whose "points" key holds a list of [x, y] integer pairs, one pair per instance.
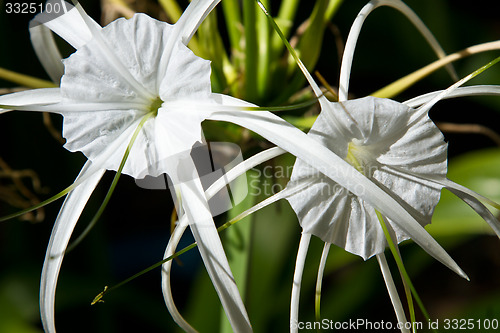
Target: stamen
{"points": [[353, 152], [155, 106]]}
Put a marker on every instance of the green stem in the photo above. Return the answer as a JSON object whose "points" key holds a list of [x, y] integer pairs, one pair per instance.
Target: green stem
{"points": [[232, 16], [251, 51], [401, 267], [25, 80], [237, 244], [264, 50], [286, 16]]}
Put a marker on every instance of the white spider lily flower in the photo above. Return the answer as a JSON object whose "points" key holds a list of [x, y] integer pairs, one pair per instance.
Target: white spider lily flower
{"points": [[406, 156], [116, 82], [377, 137], [397, 147]]}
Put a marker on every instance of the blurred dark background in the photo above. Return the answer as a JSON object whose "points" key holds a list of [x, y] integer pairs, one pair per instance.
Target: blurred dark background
{"points": [[134, 230]]}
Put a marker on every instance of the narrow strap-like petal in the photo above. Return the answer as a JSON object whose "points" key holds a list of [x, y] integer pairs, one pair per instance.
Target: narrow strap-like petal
{"points": [[209, 244], [470, 197], [297, 280], [473, 200], [70, 26], [29, 98], [47, 52], [166, 272], [352, 39], [63, 228], [184, 30], [475, 204], [479, 90], [65, 22], [319, 278], [424, 109], [241, 168], [192, 17], [393, 293]]}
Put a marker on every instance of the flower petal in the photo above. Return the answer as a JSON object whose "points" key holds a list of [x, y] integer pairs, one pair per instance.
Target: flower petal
{"points": [[352, 39], [192, 17], [70, 26], [297, 280], [165, 276], [475, 204], [472, 199], [479, 90], [124, 69], [212, 253], [47, 51], [393, 293], [66, 220], [29, 99], [241, 168]]}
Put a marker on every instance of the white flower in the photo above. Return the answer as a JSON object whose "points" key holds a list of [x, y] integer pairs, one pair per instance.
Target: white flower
{"points": [[394, 145], [378, 138], [132, 77]]}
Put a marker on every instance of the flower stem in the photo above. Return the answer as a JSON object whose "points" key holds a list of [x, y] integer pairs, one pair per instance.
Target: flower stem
{"points": [[251, 50], [402, 84], [402, 269], [237, 244], [25, 80]]}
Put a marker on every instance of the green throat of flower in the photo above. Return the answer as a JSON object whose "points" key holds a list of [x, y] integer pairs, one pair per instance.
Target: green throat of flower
{"points": [[354, 156], [155, 105]]}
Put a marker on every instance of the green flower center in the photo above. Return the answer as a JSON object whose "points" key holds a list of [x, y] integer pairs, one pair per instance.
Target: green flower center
{"points": [[155, 105], [358, 156]]}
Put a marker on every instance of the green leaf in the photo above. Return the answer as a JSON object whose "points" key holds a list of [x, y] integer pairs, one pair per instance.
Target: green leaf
{"points": [[237, 240]]}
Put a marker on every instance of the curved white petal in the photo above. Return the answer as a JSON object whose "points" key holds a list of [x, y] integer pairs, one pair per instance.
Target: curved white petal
{"points": [[47, 51], [470, 197], [212, 253], [475, 204], [393, 293], [321, 271], [66, 22], [297, 280], [352, 39], [192, 17], [424, 109], [165, 276], [479, 90], [241, 168], [30, 99], [209, 193], [66, 220]]}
